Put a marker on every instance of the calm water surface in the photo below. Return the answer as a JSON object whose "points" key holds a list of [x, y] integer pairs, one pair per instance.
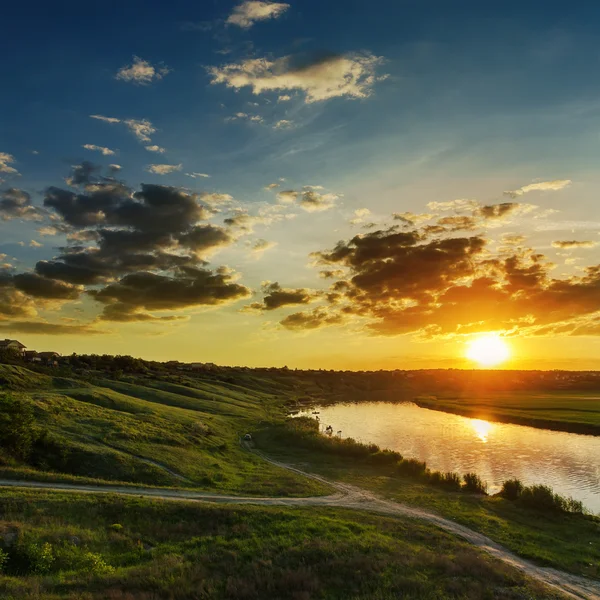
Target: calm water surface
{"points": [[567, 462]]}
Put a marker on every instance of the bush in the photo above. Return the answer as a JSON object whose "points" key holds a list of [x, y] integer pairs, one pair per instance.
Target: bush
{"points": [[543, 498], [17, 430], [451, 480], [412, 467], [3, 560], [511, 489], [474, 484], [116, 527]]}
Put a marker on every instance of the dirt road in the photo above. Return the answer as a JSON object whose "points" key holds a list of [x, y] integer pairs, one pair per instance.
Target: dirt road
{"points": [[348, 496]]}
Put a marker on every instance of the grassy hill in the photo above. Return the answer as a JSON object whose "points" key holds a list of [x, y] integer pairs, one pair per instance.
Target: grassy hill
{"points": [[148, 431]]}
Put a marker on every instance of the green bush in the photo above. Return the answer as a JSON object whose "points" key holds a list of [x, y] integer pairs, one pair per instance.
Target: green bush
{"points": [[17, 429], [412, 467], [511, 489], [474, 484], [3, 560], [543, 498]]}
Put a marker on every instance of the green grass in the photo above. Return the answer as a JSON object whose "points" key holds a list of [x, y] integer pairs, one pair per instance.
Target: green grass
{"points": [[127, 432], [105, 547], [578, 412], [564, 541]]}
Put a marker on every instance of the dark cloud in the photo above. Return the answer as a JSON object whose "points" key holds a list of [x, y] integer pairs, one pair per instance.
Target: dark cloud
{"points": [[205, 238], [188, 288], [313, 319], [498, 211], [124, 313], [44, 288], [458, 222], [16, 204], [275, 297]]}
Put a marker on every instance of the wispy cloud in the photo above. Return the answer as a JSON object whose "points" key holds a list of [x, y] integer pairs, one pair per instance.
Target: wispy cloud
{"points": [[197, 175], [242, 116], [163, 169], [6, 158], [283, 124], [540, 186], [351, 75], [141, 72], [249, 12], [155, 148], [570, 244], [141, 128], [102, 149]]}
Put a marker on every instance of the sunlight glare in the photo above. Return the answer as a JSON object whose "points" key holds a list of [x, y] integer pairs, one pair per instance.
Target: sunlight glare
{"points": [[482, 429], [488, 350]]}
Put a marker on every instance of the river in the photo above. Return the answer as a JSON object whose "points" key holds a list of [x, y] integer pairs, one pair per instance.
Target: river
{"points": [[567, 462]]}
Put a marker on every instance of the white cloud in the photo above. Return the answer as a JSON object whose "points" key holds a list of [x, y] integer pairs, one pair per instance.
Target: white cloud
{"points": [[197, 175], [141, 128], [35, 244], [242, 116], [102, 149], [272, 186], [541, 186], [359, 215], [287, 196], [47, 230], [284, 98], [249, 12], [351, 75], [155, 148], [214, 198], [142, 72], [115, 167], [163, 169], [314, 202], [283, 124], [6, 158], [105, 119]]}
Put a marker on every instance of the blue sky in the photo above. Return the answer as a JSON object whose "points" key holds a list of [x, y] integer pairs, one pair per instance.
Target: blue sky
{"points": [[385, 106]]}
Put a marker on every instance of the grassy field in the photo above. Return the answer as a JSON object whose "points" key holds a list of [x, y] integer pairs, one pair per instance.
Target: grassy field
{"points": [[565, 541], [87, 548], [577, 412], [159, 434]]}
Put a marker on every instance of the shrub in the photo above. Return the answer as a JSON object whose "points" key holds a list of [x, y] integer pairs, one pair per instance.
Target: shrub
{"points": [[116, 527], [474, 484], [412, 467], [511, 489], [543, 498], [17, 430], [451, 480]]}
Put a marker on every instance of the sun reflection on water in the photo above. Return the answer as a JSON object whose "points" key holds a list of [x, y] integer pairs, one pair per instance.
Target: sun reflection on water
{"points": [[482, 429]]}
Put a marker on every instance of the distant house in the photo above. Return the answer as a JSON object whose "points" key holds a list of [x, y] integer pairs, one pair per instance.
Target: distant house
{"points": [[49, 358], [13, 345], [32, 356]]}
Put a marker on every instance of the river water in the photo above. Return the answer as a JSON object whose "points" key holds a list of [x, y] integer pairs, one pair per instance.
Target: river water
{"points": [[567, 462]]}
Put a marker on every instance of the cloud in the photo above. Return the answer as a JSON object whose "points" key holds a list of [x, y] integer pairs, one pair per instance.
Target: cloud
{"points": [[247, 13], [163, 169], [115, 168], [351, 76], [216, 198], [34, 244], [155, 148], [142, 72], [272, 186], [6, 158], [359, 215], [16, 204], [283, 124], [274, 296], [260, 246], [312, 201], [197, 175], [43, 328], [124, 313], [102, 149], [142, 129], [284, 98], [459, 204], [570, 244], [287, 196], [411, 219], [105, 119], [513, 238], [242, 116], [541, 186], [313, 319], [190, 287]]}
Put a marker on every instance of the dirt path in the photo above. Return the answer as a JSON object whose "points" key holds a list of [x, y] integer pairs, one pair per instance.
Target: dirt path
{"points": [[348, 496]]}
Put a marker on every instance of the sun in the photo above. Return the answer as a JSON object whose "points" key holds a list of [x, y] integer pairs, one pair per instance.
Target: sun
{"points": [[488, 350]]}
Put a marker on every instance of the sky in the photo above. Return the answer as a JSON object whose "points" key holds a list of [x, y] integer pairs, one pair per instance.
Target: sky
{"points": [[339, 185]]}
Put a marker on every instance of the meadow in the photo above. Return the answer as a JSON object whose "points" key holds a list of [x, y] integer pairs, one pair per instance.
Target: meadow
{"points": [[85, 547], [172, 429], [569, 410]]}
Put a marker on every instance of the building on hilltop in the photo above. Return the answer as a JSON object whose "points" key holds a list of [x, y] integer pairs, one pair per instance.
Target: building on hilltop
{"points": [[13, 345]]}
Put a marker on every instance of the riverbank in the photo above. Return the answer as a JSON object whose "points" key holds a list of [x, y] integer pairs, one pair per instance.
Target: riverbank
{"points": [[558, 411]]}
